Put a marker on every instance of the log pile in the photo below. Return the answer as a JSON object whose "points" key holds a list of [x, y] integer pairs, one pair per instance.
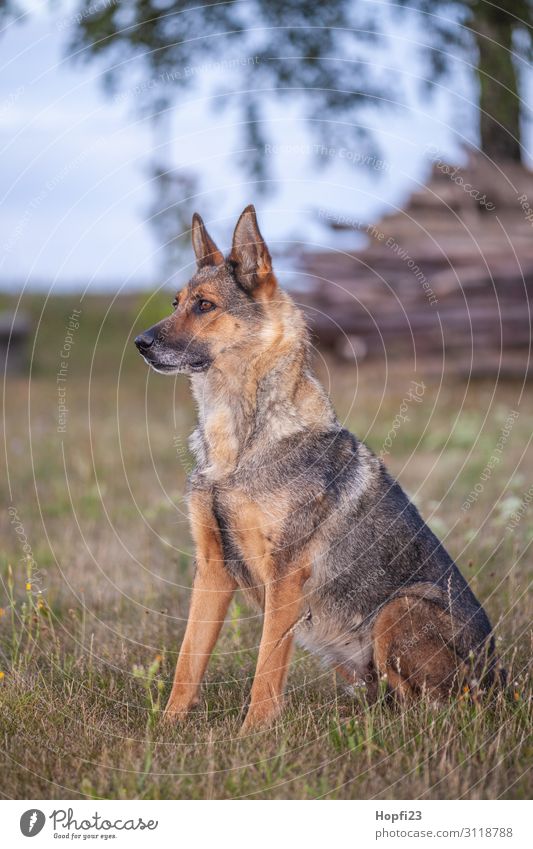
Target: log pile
{"points": [[14, 340], [449, 277]]}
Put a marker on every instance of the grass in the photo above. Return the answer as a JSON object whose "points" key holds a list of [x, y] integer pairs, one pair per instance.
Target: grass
{"points": [[96, 565]]}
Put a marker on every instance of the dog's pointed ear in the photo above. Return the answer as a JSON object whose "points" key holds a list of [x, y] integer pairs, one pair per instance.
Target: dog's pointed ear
{"points": [[250, 256], [204, 247]]}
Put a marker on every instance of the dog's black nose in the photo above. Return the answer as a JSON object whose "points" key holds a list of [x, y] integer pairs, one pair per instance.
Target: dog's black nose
{"points": [[145, 340]]}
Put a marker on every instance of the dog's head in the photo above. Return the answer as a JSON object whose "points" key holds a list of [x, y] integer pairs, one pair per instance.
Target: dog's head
{"points": [[221, 309]]}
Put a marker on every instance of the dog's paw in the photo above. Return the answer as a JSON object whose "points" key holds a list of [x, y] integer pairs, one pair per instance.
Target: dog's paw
{"points": [[258, 720], [173, 716], [176, 712], [178, 706]]}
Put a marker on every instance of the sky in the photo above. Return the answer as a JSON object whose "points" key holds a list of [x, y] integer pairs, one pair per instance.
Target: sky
{"points": [[75, 183]]}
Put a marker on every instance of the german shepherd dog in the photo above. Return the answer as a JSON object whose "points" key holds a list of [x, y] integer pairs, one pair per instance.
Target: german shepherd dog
{"points": [[292, 508]]}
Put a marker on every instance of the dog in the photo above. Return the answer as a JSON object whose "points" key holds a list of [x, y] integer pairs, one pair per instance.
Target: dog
{"points": [[290, 507]]}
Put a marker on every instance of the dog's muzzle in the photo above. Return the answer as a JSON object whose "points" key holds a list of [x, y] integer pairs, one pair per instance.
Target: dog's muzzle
{"points": [[169, 359]]}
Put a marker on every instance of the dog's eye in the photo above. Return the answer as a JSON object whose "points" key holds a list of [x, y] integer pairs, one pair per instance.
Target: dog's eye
{"points": [[175, 303], [205, 306]]}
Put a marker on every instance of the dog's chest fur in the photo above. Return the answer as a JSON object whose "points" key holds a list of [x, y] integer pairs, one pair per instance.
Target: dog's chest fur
{"points": [[250, 532], [255, 541]]}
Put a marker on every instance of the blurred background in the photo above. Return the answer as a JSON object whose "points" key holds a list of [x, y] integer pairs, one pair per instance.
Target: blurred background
{"points": [[387, 147]]}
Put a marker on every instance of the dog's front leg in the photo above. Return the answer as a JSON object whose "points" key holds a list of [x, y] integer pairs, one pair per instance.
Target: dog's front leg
{"points": [[283, 607], [212, 592]]}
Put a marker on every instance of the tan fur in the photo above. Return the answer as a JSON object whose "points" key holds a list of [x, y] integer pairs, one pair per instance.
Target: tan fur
{"points": [[212, 592], [227, 393], [411, 647], [254, 530], [283, 607]]}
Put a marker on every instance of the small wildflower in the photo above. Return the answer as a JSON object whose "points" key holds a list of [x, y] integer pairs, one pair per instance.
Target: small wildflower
{"points": [[466, 689], [516, 696], [158, 658], [2, 612], [2, 676], [28, 585]]}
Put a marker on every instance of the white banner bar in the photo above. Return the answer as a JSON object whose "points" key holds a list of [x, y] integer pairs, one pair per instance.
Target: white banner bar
{"points": [[264, 825]]}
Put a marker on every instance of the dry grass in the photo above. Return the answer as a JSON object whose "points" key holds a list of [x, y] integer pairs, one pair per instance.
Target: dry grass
{"points": [[87, 661]]}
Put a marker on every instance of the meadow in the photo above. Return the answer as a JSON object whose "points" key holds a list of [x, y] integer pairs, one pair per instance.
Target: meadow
{"points": [[96, 565]]}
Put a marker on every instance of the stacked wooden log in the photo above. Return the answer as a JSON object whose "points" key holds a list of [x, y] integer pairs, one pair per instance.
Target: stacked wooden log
{"points": [[14, 339], [450, 277]]}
